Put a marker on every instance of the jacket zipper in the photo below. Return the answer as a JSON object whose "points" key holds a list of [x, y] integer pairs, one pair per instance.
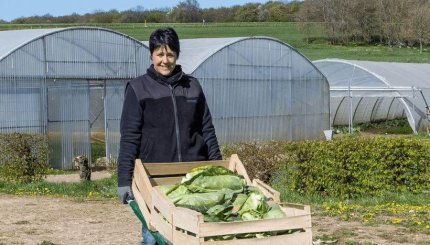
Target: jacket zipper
{"points": [[175, 111]]}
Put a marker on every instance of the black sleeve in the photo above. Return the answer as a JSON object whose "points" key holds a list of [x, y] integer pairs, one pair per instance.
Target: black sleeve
{"points": [[131, 133], [209, 135]]}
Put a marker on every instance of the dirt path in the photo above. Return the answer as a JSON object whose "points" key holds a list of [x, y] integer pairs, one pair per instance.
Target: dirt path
{"points": [[32, 220], [69, 178]]}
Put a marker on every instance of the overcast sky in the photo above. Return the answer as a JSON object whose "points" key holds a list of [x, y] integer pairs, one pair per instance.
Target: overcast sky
{"points": [[12, 9]]}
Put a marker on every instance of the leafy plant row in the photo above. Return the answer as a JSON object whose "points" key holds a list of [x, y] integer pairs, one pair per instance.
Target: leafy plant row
{"points": [[349, 167]]}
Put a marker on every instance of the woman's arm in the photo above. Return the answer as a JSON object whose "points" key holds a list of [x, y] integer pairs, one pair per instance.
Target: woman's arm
{"points": [[131, 133]]}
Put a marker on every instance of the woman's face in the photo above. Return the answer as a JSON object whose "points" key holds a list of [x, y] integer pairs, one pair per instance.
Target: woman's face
{"points": [[164, 60]]}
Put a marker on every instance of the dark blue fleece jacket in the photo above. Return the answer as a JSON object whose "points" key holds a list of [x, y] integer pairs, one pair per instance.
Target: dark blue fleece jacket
{"points": [[164, 120]]}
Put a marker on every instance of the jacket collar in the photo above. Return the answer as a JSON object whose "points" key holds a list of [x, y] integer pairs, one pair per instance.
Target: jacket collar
{"points": [[173, 79]]}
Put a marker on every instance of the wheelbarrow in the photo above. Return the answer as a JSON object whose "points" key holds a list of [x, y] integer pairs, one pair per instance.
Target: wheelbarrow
{"points": [[157, 236]]}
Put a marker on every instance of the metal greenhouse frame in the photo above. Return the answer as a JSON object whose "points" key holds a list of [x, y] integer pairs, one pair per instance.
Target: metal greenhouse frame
{"points": [[67, 84], [258, 88], [368, 91]]}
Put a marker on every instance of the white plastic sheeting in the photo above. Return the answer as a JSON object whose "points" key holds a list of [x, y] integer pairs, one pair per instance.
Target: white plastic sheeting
{"points": [[47, 77], [367, 91], [258, 88]]}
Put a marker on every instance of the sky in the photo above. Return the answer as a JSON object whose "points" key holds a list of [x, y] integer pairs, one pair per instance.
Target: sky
{"points": [[12, 9]]}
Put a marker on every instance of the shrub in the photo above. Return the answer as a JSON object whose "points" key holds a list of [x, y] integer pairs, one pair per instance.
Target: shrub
{"points": [[259, 159], [23, 157], [354, 166]]}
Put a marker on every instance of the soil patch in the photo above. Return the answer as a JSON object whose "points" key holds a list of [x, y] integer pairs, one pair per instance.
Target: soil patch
{"points": [[359, 233], [70, 178], [34, 219]]}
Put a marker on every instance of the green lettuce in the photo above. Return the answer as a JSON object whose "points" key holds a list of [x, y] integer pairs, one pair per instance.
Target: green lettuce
{"points": [[221, 195], [200, 202], [274, 212], [254, 207], [214, 183]]}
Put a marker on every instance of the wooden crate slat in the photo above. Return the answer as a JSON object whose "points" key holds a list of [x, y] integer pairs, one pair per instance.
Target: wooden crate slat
{"points": [[240, 169], [267, 190], [142, 182], [221, 228], [162, 204], [292, 209], [163, 227], [141, 202], [187, 219], [299, 238], [232, 163], [179, 167], [180, 238], [165, 181]]}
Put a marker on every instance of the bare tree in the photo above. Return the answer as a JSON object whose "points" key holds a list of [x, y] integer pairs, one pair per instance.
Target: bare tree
{"points": [[308, 16], [418, 28], [186, 11], [219, 14], [365, 27], [392, 13]]}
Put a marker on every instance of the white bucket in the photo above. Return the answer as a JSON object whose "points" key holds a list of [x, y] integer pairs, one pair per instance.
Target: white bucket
{"points": [[328, 134]]}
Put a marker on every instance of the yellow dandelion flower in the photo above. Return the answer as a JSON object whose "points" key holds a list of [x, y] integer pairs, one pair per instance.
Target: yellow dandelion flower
{"points": [[396, 221]]}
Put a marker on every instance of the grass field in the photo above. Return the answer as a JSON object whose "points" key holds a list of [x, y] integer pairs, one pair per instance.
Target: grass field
{"points": [[287, 32]]}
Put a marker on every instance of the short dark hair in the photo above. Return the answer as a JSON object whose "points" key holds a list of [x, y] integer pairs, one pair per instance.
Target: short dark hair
{"points": [[164, 37]]}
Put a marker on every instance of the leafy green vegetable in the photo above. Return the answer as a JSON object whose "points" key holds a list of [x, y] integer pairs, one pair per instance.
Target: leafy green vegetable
{"points": [[221, 195], [208, 170], [214, 183], [200, 202], [240, 200], [274, 212], [167, 188], [178, 191], [254, 207]]}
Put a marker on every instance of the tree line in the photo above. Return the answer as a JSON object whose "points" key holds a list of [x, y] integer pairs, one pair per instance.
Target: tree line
{"points": [[187, 11], [390, 22]]}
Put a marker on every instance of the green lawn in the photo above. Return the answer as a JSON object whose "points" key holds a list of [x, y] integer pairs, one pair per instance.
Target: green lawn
{"points": [[287, 32]]}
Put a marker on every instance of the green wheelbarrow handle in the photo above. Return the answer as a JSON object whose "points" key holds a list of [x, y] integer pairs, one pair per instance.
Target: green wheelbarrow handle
{"points": [[157, 236]]}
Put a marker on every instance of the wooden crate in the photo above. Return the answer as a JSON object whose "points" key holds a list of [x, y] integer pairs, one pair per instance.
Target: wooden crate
{"points": [[185, 226]]}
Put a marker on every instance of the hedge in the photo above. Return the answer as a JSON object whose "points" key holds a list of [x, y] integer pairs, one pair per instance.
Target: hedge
{"points": [[23, 157], [348, 167]]}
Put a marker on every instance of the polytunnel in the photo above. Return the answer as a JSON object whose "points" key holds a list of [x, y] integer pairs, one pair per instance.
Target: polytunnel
{"points": [[258, 88], [67, 84], [369, 91]]}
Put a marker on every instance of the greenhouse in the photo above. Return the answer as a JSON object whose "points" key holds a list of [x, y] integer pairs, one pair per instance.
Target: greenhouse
{"points": [[68, 84], [58, 82], [258, 88], [368, 91]]}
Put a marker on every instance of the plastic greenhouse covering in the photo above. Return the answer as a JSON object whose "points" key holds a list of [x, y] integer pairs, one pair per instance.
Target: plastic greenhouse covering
{"points": [[58, 82], [68, 84], [369, 91], [258, 88]]}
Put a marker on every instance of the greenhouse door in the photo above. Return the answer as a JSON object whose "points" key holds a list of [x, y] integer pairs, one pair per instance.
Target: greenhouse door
{"points": [[68, 121], [113, 103]]}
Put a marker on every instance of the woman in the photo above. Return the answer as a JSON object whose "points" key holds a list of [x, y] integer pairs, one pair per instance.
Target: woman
{"points": [[165, 117]]}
